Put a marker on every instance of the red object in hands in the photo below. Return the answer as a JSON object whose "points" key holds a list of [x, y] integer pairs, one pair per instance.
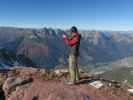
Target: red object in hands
{"points": [[72, 41]]}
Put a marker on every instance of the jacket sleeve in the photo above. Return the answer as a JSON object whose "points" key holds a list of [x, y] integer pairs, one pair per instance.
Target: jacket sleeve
{"points": [[72, 41]]}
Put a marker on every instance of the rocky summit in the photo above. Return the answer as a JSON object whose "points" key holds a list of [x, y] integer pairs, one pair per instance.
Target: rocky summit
{"points": [[40, 84]]}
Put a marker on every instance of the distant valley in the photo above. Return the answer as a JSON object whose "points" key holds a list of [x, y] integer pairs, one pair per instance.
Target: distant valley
{"points": [[46, 48]]}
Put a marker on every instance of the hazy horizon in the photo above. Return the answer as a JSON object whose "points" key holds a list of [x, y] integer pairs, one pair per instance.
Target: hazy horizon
{"points": [[80, 29]]}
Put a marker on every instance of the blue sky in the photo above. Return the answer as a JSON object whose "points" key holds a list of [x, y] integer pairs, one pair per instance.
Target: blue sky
{"points": [[86, 14]]}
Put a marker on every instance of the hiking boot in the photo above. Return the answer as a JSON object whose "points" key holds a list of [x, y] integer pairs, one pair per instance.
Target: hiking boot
{"points": [[70, 83], [77, 79]]}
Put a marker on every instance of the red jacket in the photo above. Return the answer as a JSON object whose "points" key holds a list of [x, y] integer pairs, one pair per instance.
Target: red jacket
{"points": [[74, 40]]}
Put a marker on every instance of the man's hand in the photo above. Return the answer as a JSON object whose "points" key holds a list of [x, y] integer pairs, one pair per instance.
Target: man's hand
{"points": [[64, 36]]}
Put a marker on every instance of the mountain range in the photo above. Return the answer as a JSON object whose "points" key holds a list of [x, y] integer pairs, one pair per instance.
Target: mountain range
{"points": [[45, 48]]}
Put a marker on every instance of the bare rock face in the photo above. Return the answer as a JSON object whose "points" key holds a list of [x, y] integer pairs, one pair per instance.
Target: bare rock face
{"points": [[26, 86], [12, 83], [68, 95], [49, 90]]}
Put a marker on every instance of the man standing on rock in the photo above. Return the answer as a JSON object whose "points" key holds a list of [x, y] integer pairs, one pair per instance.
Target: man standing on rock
{"points": [[74, 42]]}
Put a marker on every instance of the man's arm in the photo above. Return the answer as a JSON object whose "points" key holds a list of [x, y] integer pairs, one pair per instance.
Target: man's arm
{"points": [[72, 41]]}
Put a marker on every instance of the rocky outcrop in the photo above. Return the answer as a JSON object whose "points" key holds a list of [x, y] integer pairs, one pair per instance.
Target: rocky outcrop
{"points": [[12, 83], [40, 84]]}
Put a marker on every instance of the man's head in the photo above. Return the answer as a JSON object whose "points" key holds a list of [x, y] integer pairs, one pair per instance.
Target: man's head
{"points": [[74, 29]]}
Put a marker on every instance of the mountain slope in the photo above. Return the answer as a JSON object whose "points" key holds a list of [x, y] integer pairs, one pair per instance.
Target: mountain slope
{"points": [[46, 47], [9, 58]]}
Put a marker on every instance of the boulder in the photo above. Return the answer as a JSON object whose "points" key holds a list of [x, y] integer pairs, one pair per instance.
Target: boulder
{"points": [[12, 82]]}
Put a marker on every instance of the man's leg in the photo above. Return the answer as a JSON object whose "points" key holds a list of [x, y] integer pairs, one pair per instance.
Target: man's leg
{"points": [[72, 69], [77, 70], [77, 73]]}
